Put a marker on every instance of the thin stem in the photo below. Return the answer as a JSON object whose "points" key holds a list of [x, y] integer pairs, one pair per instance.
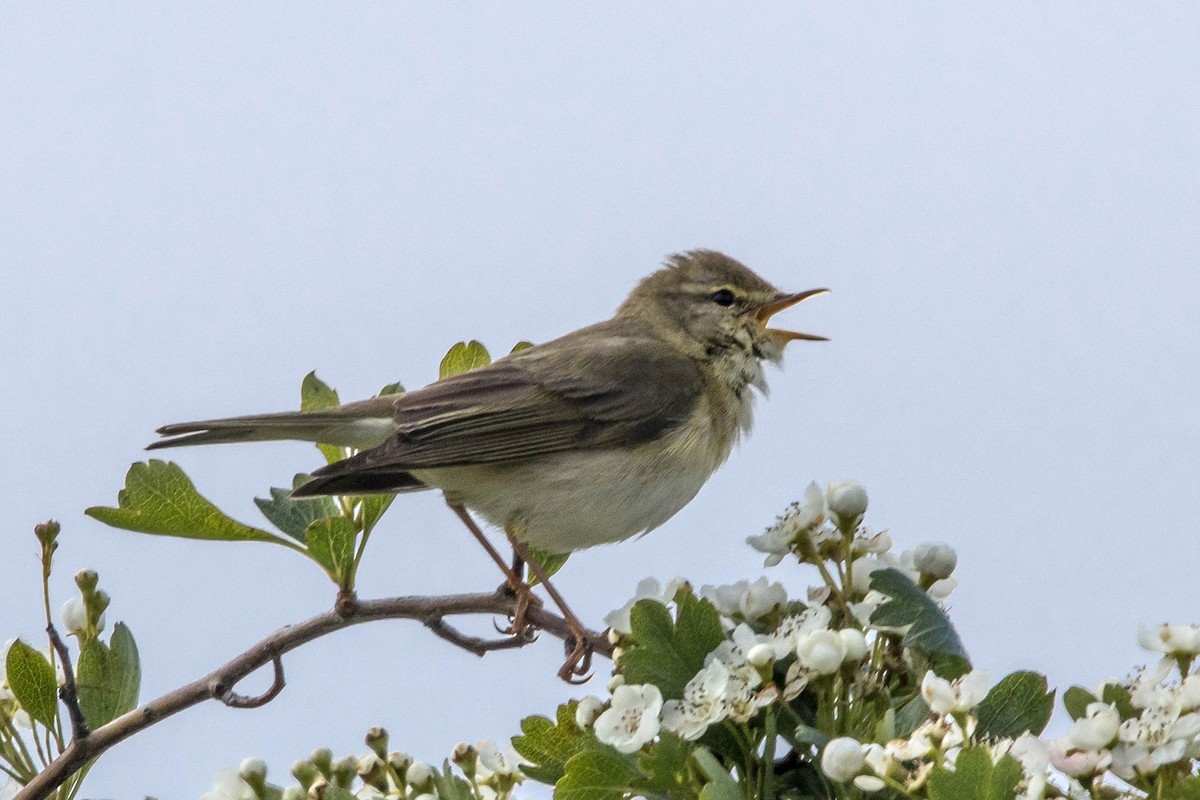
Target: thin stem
{"points": [[767, 777]]}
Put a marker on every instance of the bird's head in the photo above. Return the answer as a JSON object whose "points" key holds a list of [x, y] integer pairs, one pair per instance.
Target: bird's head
{"points": [[706, 298]]}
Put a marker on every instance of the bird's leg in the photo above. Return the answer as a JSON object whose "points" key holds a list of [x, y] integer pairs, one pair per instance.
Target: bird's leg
{"points": [[577, 667], [513, 581]]}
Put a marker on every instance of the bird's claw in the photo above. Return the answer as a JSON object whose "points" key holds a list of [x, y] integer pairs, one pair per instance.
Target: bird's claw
{"points": [[517, 624], [577, 669]]}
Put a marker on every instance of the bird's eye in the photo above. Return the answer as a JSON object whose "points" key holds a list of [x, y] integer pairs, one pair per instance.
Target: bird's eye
{"points": [[723, 297]]}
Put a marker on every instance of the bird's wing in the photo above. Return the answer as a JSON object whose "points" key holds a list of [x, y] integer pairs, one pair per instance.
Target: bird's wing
{"points": [[568, 394]]}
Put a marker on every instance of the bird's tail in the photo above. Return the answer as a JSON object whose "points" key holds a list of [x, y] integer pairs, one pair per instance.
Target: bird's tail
{"points": [[360, 425]]}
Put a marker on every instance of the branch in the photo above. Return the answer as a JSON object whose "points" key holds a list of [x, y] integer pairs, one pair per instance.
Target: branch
{"points": [[219, 684], [68, 693]]}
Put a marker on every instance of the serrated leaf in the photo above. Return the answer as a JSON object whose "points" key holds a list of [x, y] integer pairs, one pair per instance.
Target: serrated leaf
{"points": [[665, 767], [595, 775], [549, 744], [974, 777], [316, 395], [669, 654], [549, 562], [1016, 704], [159, 498], [33, 682], [107, 677], [929, 630], [462, 357], [720, 785], [294, 516], [331, 544], [1076, 700]]}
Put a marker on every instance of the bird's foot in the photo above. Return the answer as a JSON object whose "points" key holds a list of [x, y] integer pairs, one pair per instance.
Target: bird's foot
{"points": [[517, 624], [577, 668]]}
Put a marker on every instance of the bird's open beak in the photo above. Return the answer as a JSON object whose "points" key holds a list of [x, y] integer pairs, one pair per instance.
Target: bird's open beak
{"points": [[764, 314]]}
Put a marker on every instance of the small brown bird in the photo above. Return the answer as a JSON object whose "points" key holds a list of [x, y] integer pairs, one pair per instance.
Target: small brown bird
{"points": [[594, 437]]}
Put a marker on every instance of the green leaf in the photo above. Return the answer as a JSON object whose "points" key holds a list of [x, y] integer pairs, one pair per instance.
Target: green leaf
{"points": [[390, 389], [316, 395], [108, 677], [885, 729], [929, 630], [665, 767], [974, 777], [519, 346], [670, 654], [32, 681], [450, 786], [1188, 789], [159, 498], [294, 516], [911, 715], [331, 544], [1118, 696], [595, 775], [372, 508], [1016, 704], [1076, 700], [549, 562], [549, 745], [720, 785], [462, 357]]}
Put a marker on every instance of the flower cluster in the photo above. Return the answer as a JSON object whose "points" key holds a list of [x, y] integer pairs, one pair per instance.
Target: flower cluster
{"points": [[484, 773]]}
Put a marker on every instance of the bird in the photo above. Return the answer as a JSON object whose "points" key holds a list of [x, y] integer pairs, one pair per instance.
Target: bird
{"points": [[595, 437]]}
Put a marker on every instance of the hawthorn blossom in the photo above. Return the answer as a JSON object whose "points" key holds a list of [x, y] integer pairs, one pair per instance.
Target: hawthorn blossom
{"points": [[957, 696], [749, 601], [647, 589], [842, 759], [1172, 640], [846, 500], [703, 702], [1096, 728], [631, 720], [798, 520]]}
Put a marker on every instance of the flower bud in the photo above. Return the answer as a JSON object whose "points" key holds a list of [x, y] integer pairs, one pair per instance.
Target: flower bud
{"points": [[842, 759], [398, 762], [615, 682], [74, 616], [377, 740], [344, 770], [322, 759], [760, 655], [254, 772], [47, 532], [855, 642], [847, 500], [419, 776], [821, 651], [466, 757], [305, 773], [294, 793], [86, 580], [373, 771], [587, 710], [935, 559]]}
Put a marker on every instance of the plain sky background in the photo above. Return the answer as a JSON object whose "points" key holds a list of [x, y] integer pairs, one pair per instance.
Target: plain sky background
{"points": [[201, 203]]}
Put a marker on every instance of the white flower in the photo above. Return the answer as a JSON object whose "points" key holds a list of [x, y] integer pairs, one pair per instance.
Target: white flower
{"points": [[1096, 728], [647, 589], [228, 785], [795, 627], [869, 783], [631, 719], [703, 702], [779, 539], [821, 651], [419, 774], [855, 642], [940, 589], [587, 709], [1174, 640], [842, 759], [957, 696], [936, 559], [1075, 761], [494, 765], [1034, 756], [847, 500], [74, 615], [750, 601], [760, 655], [253, 769]]}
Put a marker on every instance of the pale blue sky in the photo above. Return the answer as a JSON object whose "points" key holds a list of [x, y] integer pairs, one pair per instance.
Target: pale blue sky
{"points": [[201, 203]]}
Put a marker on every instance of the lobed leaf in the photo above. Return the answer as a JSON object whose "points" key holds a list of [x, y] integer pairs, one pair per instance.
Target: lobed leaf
{"points": [[1016, 704], [665, 768], [159, 498], [929, 630], [549, 745], [595, 775], [450, 786], [331, 544], [720, 785], [33, 682], [462, 357], [293, 516], [974, 777], [669, 654], [316, 395]]}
